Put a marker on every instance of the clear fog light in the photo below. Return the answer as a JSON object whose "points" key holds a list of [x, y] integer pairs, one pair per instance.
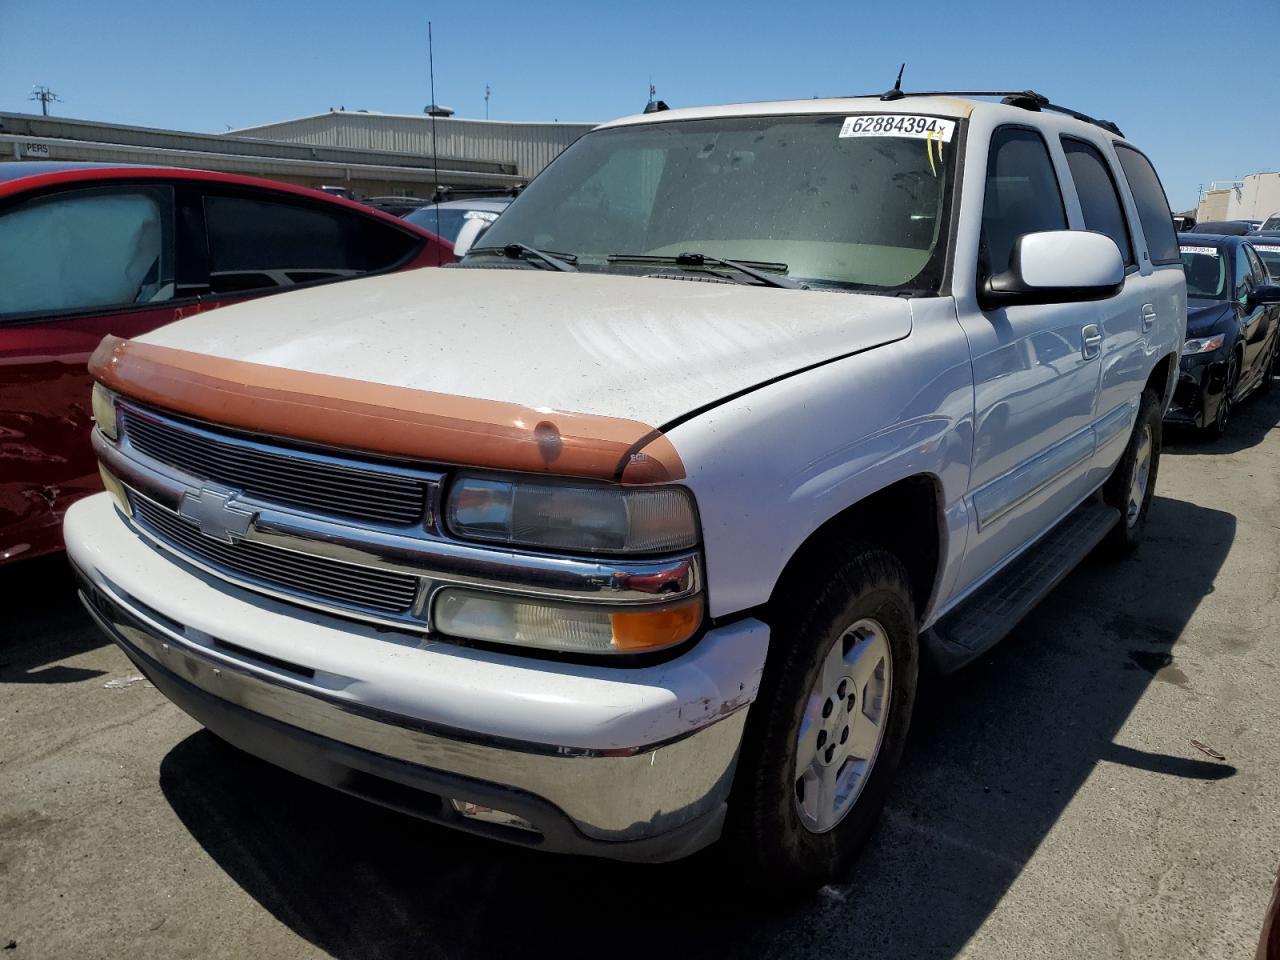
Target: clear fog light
{"points": [[575, 627]]}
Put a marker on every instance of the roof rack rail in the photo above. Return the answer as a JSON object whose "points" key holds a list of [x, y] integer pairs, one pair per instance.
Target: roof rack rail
{"points": [[1026, 99]]}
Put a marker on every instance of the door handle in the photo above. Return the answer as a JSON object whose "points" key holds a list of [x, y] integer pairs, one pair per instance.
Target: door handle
{"points": [[1090, 341], [1148, 316]]}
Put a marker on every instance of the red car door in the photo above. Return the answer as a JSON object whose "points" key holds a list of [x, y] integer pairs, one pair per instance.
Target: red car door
{"points": [[75, 265]]}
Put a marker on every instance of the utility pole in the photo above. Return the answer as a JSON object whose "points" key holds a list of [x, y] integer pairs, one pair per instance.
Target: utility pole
{"points": [[486, 101], [45, 96]]}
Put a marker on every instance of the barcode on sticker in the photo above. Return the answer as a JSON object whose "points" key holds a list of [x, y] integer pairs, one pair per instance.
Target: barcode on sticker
{"points": [[898, 125], [1205, 251]]}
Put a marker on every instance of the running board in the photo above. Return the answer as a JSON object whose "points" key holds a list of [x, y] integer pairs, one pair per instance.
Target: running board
{"points": [[989, 614]]}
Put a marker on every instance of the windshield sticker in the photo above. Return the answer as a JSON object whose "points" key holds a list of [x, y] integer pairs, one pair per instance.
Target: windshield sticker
{"points": [[1205, 251], [899, 125], [1269, 247]]}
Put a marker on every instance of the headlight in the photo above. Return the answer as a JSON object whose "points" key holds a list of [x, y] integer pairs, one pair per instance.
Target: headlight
{"points": [[1203, 344], [565, 516], [575, 627], [104, 410]]}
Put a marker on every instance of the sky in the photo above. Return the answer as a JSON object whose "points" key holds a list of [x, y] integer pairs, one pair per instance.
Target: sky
{"points": [[234, 63]]}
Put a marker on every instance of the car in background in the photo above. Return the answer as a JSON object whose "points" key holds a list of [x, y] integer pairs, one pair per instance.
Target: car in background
{"points": [[1233, 321], [1271, 224], [1225, 228], [92, 249], [1267, 246], [395, 206], [451, 219]]}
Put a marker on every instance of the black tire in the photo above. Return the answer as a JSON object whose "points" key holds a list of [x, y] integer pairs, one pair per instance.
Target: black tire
{"points": [[1127, 534], [1217, 429], [765, 836]]}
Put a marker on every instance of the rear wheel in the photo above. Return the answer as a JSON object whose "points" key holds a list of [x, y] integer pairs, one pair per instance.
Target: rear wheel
{"points": [[1132, 484], [826, 732]]}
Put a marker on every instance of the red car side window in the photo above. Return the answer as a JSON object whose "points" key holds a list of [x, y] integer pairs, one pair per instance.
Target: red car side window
{"points": [[86, 249]]}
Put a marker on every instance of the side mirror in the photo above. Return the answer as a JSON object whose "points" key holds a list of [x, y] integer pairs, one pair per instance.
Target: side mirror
{"points": [[1267, 293], [472, 230], [1057, 266]]}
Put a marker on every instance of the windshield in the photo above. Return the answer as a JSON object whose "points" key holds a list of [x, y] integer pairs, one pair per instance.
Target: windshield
{"points": [[836, 204], [1206, 272], [1271, 223], [1270, 254]]}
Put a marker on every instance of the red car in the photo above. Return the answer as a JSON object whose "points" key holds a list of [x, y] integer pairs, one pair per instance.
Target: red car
{"points": [[92, 249]]}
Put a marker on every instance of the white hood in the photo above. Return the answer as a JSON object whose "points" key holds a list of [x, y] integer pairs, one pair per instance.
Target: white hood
{"points": [[636, 347]]}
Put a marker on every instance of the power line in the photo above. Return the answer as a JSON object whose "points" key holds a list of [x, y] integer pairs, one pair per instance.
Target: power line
{"points": [[46, 97]]}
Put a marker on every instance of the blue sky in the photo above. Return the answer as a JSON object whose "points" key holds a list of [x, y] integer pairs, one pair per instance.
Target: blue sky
{"points": [[206, 66]]}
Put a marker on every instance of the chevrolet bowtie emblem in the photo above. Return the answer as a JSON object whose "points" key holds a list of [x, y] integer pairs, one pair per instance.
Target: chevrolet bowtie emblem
{"points": [[212, 509]]}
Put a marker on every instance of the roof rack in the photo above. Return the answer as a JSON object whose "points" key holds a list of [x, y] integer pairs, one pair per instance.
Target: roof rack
{"points": [[1026, 99]]}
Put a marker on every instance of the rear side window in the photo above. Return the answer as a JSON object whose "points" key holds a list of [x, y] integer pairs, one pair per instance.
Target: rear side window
{"points": [[1269, 253], [257, 243], [1099, 199], [1153, 206], [98, 248], [1022, 194]]}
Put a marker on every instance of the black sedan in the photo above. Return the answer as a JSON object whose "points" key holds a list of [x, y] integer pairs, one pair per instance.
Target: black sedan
{"points": [[1233, 322], [1267, 246]]}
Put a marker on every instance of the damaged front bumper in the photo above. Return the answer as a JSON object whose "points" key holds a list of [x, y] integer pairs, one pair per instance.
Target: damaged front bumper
{"points": [[627, 763]]}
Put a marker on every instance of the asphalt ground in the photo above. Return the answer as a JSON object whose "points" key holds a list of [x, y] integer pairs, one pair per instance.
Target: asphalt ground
{"points": [[1052, 802]]}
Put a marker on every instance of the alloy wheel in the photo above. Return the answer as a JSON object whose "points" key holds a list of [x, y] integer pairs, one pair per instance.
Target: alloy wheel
{"points": [[843, 725], [1140, 478]]}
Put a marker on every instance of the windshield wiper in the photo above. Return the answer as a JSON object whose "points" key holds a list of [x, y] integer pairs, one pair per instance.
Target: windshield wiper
{"points": [[521, 251], [751, 268]]}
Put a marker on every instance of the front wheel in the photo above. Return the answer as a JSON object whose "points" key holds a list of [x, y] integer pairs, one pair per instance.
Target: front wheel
{"points": [[1132, 484], [1217, 427], [826, 732]]}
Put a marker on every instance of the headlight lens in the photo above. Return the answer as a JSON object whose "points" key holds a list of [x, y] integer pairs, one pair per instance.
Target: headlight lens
{"points": [[575, 627], [104, 410], [1203, 344], [562, 516]]}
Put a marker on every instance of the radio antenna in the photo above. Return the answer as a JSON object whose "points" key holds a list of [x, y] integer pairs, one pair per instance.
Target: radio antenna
{"points": [[896, 93], [435, 143]]}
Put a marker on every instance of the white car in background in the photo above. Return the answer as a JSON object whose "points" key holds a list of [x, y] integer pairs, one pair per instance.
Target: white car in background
{"points": [[459, 222]]}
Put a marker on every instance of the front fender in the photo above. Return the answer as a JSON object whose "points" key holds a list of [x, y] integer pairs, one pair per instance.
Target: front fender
{"points": [[772, 466]]}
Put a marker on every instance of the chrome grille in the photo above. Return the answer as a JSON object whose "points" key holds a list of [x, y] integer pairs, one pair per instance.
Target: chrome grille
{"points": [[298, 574], [276, 474]]}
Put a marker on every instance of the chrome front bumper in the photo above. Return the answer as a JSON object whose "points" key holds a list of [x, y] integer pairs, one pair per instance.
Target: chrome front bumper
{"points": [[654, 800]]}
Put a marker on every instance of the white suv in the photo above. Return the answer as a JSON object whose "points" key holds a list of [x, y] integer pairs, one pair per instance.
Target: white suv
{"points": [[560, 547]]}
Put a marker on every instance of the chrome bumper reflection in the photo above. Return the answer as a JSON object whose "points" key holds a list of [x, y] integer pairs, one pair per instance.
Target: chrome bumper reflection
{"points": [[618, 795]]}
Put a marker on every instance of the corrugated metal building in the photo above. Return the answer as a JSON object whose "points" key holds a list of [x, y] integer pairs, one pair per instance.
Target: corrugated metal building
{"points": [[367, 171], [529, 146]]}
